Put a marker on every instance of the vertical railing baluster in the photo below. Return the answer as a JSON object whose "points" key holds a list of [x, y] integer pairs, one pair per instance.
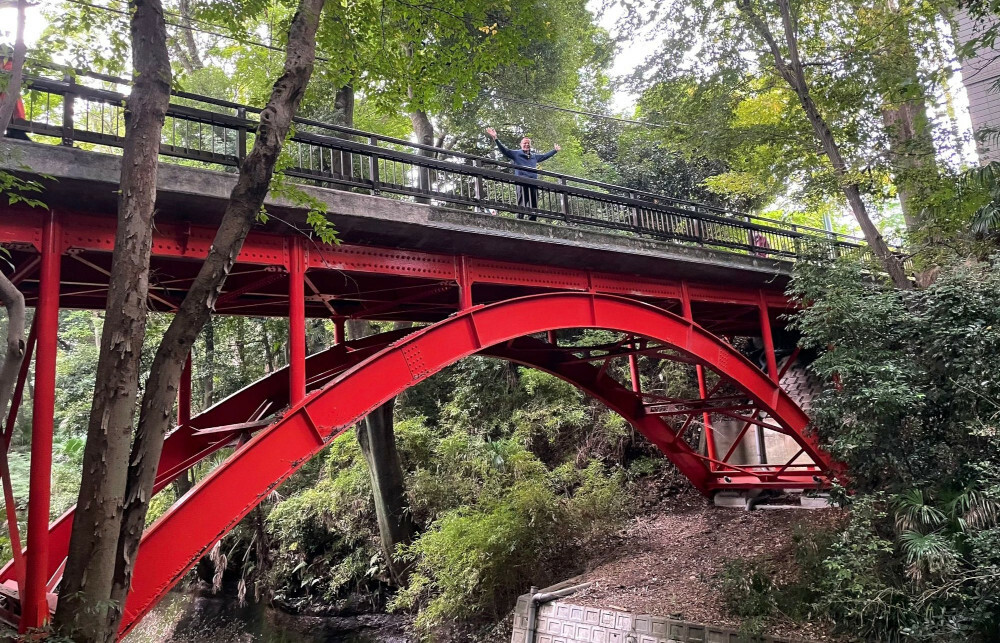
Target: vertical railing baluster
{"points": [[373, 166], [564, 200], [478, 181]]}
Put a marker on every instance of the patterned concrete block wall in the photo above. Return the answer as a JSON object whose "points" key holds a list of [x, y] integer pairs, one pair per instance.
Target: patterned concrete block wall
{"points": [[560, 622]]}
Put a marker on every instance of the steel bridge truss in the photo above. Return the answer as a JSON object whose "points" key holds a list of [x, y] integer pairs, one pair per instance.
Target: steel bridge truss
{"points": [[527, 314]]}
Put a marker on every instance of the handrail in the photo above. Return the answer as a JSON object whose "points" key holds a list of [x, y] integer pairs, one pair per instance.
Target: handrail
{"points": [[480, 183]]}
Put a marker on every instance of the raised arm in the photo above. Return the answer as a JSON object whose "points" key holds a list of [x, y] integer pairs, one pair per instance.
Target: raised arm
{"points": [[548, 155], [506, 151]]}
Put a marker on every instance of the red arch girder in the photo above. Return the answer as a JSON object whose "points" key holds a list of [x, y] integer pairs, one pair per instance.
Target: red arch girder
{"points": [[564, 363], [179, 538], [185, 446]]}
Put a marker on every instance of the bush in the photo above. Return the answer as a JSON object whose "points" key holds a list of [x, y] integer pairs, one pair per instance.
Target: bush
{"points": [[914, 416]]}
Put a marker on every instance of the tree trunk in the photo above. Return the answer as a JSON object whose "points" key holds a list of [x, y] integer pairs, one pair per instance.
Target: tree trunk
{"points": [[377, 438], [208, 378], [84, 613], [343, 106], [245, 202], [13, 301], [10, 296], [191, 59], [791, 72], [268, 349], [343, 114], [16, 71], [913, 157], [423, 130]]}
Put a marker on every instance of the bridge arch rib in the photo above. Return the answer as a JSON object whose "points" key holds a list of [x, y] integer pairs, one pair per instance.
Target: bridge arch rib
{"points": [[172, 545]]}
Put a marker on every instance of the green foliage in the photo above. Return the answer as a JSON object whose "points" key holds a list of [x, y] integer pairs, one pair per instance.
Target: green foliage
{"points": [[475, 558], [749, 594], [918, 392], [913, 416], [716, 89], [17, 190]]}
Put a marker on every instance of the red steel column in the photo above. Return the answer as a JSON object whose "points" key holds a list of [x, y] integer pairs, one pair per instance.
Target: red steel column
{"points": [[702, 387], [772, 365], [464, 284], [296, 321], [633, 369], [184, 395], [339, 332], [765, 332], [34, 607]]}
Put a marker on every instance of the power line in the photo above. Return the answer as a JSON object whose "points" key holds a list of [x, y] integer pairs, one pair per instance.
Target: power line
{"points": [[484, 93]]}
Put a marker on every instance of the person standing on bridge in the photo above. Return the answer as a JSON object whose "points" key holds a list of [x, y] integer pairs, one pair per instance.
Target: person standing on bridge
{"points": [[525, 162]]}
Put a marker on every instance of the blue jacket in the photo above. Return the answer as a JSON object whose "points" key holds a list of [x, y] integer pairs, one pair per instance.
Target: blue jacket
{"points": [[528, 160]]}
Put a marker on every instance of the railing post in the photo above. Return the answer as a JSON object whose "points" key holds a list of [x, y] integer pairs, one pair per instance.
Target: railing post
{"points": [[241, 135], [564, 199], [479, 190], [68, 99], [634, 210], [373, 166]]}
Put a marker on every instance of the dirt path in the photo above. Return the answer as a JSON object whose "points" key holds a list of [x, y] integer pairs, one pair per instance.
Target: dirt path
{"points": [[667, 563]]}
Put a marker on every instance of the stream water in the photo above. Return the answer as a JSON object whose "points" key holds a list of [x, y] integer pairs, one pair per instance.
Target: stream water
{"points": [[186, 618]]}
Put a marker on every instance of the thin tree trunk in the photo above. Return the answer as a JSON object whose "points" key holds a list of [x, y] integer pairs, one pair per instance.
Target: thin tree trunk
{"points": [[377, 439], [343, 106], [10, 296], [84, 613], [13, 301], [268, 351], [245, 202], [343, 114], [192, 58], [904, 117], [423, 130], [208, 378], [16, 72], [791, 71]]}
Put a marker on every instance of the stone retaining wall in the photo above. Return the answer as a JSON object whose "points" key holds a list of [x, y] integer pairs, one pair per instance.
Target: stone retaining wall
{"points": [[560, 622]]}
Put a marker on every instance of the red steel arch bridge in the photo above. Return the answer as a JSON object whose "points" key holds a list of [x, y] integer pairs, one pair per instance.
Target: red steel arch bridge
{"points": [[429, 236]]}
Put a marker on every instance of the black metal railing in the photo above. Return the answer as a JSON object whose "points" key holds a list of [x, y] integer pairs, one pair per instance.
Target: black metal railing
{"points": [[208, 132]]}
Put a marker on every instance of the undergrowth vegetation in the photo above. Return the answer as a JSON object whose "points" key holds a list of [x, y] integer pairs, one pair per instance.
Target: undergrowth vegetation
{"points": [[912, 410], [510, 474]]}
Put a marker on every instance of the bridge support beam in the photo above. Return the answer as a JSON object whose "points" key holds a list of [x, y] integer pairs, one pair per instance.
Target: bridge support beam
{"points": [[296, 321], [35, 610], [772, 365], [339, 330], [702, 386]]}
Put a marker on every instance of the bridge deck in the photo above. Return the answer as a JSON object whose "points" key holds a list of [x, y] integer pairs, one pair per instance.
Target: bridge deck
{"points": [[398, 259]]}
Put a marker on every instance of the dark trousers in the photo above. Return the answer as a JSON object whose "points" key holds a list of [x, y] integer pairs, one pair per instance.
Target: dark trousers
{"points": [[527, 197]]}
